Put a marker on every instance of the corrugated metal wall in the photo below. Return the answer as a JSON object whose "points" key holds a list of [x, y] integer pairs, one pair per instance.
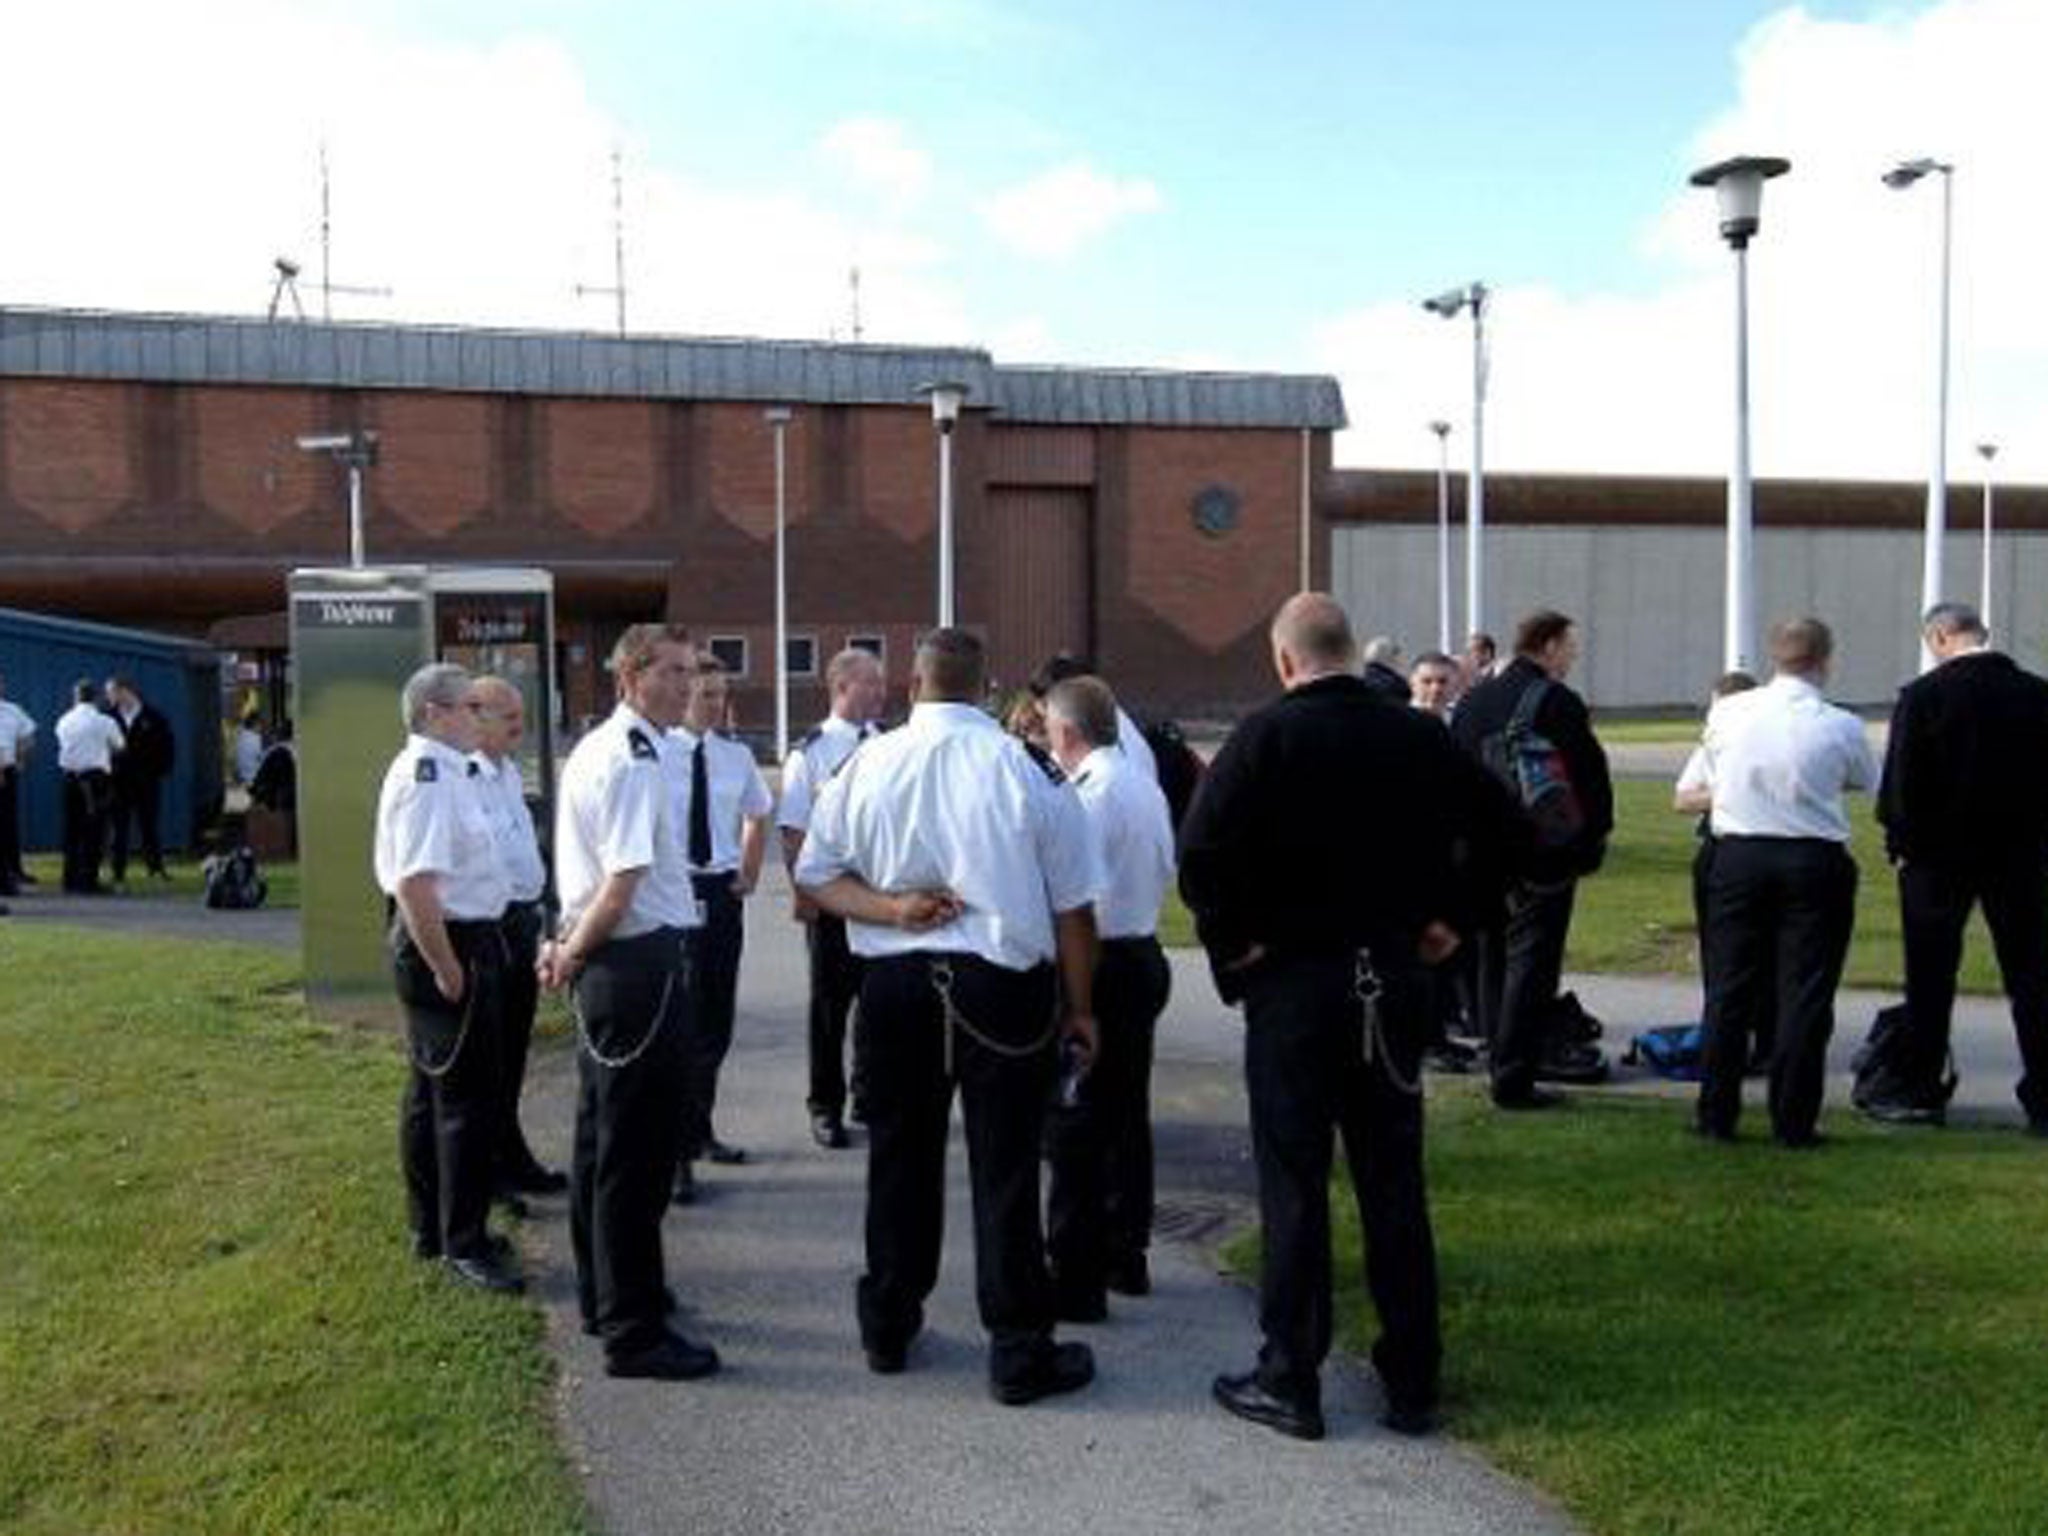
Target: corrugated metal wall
{"points": [[1648, 600]]}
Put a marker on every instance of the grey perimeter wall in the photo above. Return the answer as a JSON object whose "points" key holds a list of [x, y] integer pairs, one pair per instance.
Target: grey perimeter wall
{"points": [[1648, 600]]}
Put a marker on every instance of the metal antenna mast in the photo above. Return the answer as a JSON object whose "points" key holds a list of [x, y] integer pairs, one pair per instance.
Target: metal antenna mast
{"points": [[618, 285], [853, 282]]}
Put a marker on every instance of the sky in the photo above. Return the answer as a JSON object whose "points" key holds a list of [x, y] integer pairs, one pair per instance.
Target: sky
{"points": [[1188, 185]]}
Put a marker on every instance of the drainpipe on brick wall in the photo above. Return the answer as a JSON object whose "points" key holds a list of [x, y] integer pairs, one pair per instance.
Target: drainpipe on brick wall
{"points": [[1307, 505]]}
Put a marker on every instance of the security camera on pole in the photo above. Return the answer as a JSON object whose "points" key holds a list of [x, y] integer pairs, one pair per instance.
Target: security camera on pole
{"points": [[1448, 305], [358, 451], [1739, 185]]}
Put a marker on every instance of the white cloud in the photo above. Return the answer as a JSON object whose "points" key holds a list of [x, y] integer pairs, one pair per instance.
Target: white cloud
{"points": [[1058, 211], [876, 154], [1843, 282]]}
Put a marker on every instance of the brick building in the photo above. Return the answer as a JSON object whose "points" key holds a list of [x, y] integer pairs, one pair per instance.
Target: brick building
{"points": [[149, 476]]}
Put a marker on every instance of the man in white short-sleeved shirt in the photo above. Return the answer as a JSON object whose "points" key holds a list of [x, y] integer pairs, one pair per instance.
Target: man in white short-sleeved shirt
{"points": [[726, 838], [1099, 1208], [17, 738], [436, 861], [623, 876], [963, 870], [87, 740]]}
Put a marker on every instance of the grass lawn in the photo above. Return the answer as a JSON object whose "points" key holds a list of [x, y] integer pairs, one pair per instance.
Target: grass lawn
{"points": [[1635, 916], [184, 884], [209, 1316], [1674, 1337]]}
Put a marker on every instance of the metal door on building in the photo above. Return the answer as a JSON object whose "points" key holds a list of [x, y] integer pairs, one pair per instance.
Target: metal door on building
{"points": [[1038, 547]]}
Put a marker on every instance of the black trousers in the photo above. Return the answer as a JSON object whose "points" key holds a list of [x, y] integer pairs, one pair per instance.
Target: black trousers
{"points": [[447, 1117], [715, 976], [1764, 1042], [86, 797], [835, 987], [521, 926], [10, 825], [1779, 915], [1099, 1203], [633, 998], [1003, 1064], [1935, 904], [1313, 1067], [138, 802], [1520, 964]]}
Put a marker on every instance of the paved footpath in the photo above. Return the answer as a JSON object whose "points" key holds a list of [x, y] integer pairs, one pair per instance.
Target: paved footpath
{"points": [[796, 1435]]}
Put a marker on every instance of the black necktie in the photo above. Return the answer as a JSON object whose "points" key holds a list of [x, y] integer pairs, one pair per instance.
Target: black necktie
{"points": [[700, 808]]}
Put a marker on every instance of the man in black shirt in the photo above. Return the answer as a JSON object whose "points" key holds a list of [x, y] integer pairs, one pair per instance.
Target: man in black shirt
{"points": [[1318, 860], [1520, 960], [1964, 802]]}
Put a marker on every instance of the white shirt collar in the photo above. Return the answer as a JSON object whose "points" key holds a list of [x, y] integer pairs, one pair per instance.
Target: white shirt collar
{"points": [[1100, 763]]}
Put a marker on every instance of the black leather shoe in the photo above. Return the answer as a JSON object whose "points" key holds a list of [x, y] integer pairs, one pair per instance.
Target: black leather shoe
{"points": [[487, 1272], [1528, 1099], [827, 1132], [1573, 1063], [1410, 1419], [1898, 1112], [724, 1153], [1449, 1057], [674, 1358], [1248, 1398], [887, 1359], [686, 1185], [1129, 1276], [1059, 1368]]}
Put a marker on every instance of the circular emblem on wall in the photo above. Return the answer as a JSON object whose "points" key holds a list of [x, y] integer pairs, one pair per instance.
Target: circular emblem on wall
{"points": [[1216, 510]]}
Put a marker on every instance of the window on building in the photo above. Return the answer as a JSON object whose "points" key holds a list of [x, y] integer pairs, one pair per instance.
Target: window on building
{"points": [[731, 651], [801, 655], [872, 644]]}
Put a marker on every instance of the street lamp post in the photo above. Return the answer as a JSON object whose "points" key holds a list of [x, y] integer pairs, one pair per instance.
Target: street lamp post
{"points": [[1899, 177], [1739, 186], [778, 418], [1987, 452], [1447, 305], [356, 451], [1442, 429], [946, 399]]}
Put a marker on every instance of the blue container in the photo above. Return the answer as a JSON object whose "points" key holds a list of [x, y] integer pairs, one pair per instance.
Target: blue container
{"points": [[43, 658]]}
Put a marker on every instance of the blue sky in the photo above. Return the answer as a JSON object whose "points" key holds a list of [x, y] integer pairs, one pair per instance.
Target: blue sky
{"points": [[1176, 185]]}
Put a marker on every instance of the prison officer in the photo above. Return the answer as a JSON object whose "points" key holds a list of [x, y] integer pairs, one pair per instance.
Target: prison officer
{"points": [[858, 687], [87, 742], [624, 883], [1099, 1206], [500, 713], [437, 862], [728, 826], [963, 870], [1318, 860]]}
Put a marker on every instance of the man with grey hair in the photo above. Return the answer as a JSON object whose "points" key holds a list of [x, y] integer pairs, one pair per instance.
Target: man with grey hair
{"points": [[437, 862], [1781, 895], [1383, 674], [1964, 803], [1099, 1208]]}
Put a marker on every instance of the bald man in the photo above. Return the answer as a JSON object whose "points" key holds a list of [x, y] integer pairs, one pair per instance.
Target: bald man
{"points": [[1318, 862]]}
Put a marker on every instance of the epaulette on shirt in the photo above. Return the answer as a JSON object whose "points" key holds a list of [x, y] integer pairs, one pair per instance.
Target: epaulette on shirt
{"points": [[426, 771], [475, 770], [641, 746], [1044, 759]]}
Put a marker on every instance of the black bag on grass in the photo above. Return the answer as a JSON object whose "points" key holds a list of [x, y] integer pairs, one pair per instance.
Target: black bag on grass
{"points": [[233, 881], [1886, 1074]]}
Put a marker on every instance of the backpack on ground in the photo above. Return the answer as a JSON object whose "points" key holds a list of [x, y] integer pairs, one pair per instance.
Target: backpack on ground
{"points": [[1180, 766], [1670, 1050], [232, 880], [1885, 1073], [1534, 769]]}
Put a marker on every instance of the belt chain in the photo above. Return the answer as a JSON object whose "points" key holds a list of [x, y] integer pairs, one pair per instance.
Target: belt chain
{"points": [[952, 1018], [1366, 988]]}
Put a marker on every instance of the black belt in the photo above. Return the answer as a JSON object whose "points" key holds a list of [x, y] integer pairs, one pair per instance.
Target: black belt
{"points": [[1764, 840], [702, 880], [658, 947], [1133, 941], [471, 927]]}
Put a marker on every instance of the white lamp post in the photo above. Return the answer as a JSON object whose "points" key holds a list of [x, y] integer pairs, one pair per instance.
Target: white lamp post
{"points": [[1447, 305], [1899, 177], [357, 451], [1442, 429], [1987, 452], [946, 399], [778, 418], [1739, 185]]}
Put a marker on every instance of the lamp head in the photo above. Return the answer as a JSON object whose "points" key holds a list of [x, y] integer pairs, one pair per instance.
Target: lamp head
{"points": [[946, 397], [1452, 301], [1441, 428], [778, 415], [1906, 172], [1739, 185], [1987, 451]]}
